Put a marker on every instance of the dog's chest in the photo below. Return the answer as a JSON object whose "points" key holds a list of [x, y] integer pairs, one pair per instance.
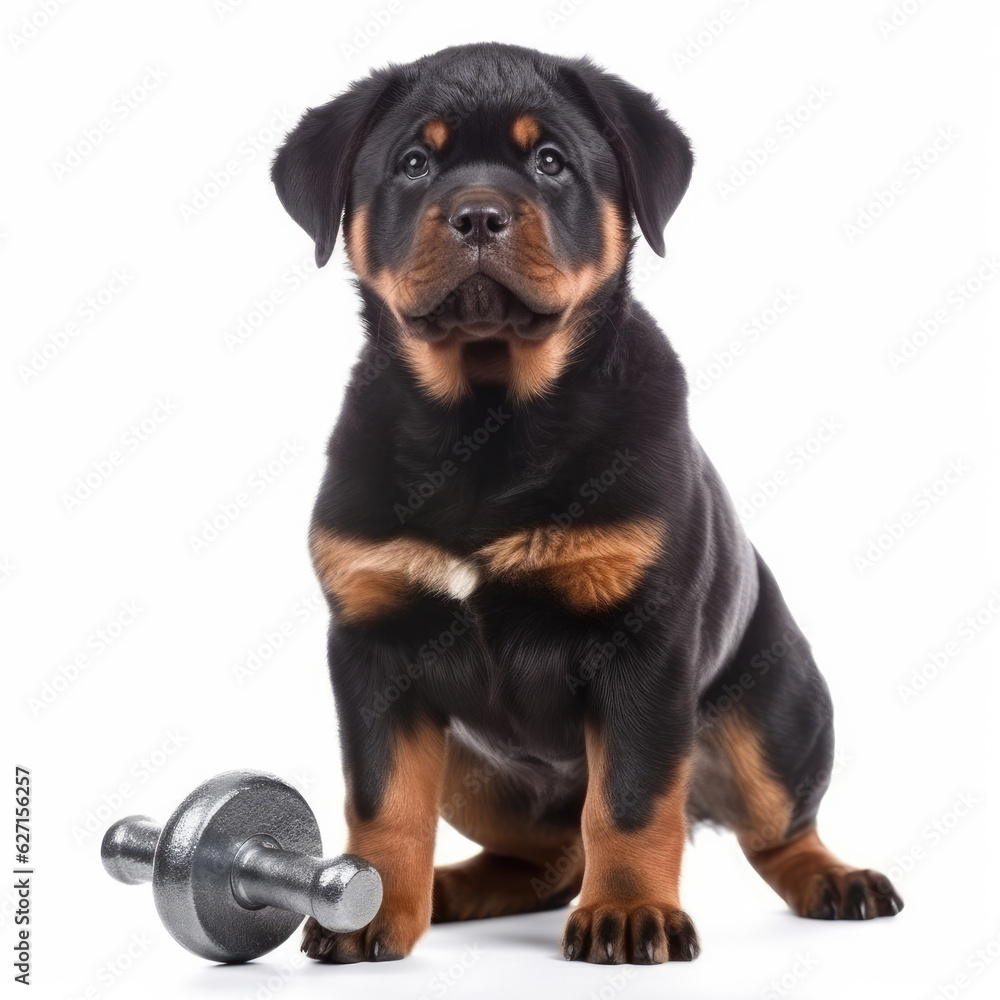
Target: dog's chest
{"points": [[520, 700]]}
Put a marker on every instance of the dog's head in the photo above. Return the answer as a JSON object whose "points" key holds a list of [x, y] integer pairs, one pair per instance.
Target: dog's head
{"points": [[487, 193]]}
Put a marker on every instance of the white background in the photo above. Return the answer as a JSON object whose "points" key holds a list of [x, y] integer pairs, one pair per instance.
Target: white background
{"points": [[175, 699]]}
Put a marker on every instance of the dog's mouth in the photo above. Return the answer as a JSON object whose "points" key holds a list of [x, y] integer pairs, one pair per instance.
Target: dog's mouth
{"points": [[481, 308], [485, 322]]}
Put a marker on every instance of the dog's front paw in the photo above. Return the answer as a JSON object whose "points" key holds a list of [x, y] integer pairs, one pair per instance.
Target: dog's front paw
{"points": [[388, 937], [641, 934]]}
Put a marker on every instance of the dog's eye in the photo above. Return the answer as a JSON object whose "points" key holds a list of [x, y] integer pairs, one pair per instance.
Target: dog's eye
{"points": [[415, 163], [548, 161]]}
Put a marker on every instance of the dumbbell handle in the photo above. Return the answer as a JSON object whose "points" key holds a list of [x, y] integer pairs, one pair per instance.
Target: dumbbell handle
{"points": [[338, 892]]}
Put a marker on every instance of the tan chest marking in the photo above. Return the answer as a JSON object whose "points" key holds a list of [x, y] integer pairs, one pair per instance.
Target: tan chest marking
{"points": [[369, 579], [591, 566]]}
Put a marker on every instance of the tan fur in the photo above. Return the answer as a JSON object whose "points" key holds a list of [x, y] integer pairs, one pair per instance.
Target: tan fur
{"points": [[399, 842], [535, 364], [400, 291], [369, 579], [437, 367], [799, 870], [435, 134], [525, 131], [630, 900], [625, 866], [525, 865], [766, 804], [356, 241], [591, 566]]}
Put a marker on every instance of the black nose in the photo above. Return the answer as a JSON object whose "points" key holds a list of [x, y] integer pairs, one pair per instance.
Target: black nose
{"points": [[479, 221]]}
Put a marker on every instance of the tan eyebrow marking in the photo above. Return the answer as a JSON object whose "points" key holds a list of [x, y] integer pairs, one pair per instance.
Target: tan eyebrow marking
{"points": [[525, 131], [436, 133]]}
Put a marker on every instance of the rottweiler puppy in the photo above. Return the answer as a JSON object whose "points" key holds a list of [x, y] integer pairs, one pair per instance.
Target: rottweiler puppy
{"points": [[548, 626]]}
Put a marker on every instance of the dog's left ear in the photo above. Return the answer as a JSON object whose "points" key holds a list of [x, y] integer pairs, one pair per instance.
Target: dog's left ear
{"points": [[312, 170], [654, 154]]}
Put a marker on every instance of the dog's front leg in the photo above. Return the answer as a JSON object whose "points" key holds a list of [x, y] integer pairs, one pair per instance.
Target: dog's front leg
{"points": [[394, 780], [390, 598], [633, 835]]}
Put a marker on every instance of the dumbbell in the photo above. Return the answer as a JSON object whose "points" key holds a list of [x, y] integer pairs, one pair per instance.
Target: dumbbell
{"points": [[237, 866]]}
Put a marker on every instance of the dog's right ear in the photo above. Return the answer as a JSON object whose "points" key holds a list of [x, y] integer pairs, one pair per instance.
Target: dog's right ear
{"points": [[312, 170]]}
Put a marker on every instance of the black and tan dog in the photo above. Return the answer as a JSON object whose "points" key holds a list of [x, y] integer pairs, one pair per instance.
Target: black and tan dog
{"points": [[548, 624]]}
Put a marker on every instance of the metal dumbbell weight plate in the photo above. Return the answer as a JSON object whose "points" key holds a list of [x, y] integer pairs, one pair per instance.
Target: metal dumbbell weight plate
{"points": [[237, 865]]}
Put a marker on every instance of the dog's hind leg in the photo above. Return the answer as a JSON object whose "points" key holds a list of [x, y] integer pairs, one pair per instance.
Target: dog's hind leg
{"points": [[765, 761], [526, 865]]}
